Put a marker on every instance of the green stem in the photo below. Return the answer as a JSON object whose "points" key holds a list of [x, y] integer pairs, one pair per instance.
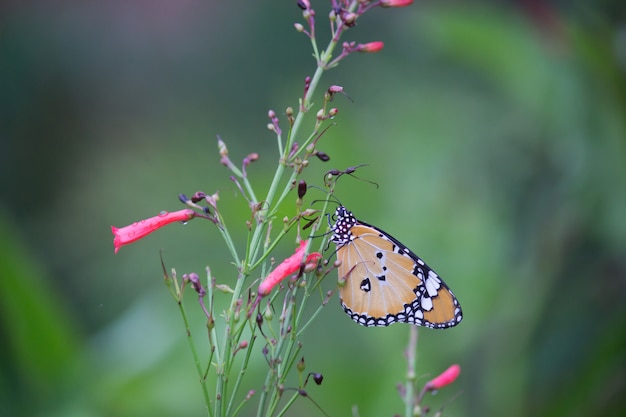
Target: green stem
{"points": [[244, 367], [196, 358], [409, 395], [226, 236], [289, 404]]}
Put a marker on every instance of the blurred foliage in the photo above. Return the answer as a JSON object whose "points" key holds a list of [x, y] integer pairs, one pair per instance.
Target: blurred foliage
{"points": [[496, 133]]}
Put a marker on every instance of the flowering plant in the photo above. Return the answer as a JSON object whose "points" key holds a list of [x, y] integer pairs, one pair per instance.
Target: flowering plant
{"points": [[250, 316]]}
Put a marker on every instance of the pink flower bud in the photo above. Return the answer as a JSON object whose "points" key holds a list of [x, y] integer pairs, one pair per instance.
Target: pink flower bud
{"points": [[370, 47], [137, 230], [286, 268], [395, 3], [445, 378]]}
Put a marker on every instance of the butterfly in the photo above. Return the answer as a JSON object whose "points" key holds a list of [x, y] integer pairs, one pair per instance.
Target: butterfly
{"points": [[385, 282]]}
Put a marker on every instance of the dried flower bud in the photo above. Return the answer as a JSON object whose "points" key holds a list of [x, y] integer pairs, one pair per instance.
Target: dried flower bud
{"points": [[322, 156], [224, 288], [222, 147], [302, 187], [294, 149], [198, 196], [349, 19], [309, 223], [300, 366], [289, 111], [318, 378], [250, 158], [195, 283]]}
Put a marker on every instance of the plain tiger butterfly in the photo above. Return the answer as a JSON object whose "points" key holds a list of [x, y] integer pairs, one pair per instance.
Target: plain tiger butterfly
{"points": [[385, 282]]}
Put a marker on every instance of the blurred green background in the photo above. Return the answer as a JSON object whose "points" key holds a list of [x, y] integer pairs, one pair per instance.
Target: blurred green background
{"points": [[497, 134]]}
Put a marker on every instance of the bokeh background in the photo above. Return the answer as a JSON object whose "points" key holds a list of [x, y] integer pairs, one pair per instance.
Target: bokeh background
{"points": [[497, 134]]}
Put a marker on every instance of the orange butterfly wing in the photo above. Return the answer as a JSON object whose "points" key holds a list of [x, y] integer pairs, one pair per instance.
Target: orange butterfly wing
{"points": [[386, 282]]}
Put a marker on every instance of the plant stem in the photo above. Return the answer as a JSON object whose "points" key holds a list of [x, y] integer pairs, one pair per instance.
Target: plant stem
{"points": [[196, 359], [409, 395]]}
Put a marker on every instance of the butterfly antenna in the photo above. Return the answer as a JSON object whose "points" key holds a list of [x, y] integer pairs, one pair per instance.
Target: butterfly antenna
{"points": [[348, 171], [366, 180]]}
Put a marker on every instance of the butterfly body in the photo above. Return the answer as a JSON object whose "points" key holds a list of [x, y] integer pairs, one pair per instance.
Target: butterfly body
{"points": [[385, 282]]}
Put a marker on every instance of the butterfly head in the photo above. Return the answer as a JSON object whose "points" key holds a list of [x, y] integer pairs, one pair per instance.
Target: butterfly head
{"points": [[344, 220]]}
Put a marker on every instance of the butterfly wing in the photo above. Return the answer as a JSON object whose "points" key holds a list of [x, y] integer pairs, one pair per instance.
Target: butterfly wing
{"points": [[387, 283]]}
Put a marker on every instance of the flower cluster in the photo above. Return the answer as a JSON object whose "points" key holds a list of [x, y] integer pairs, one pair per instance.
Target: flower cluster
{"points": [[249, 315]]}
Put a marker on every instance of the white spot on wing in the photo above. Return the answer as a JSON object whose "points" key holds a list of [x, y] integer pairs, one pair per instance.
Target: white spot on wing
{"points": [[432, 287], [427, 303], [433, 276]]}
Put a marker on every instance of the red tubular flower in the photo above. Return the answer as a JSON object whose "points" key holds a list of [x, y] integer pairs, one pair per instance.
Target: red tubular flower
{"points": [[370, 47], [287, 267], [137, 230], [445, 378], [395, 3]]}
